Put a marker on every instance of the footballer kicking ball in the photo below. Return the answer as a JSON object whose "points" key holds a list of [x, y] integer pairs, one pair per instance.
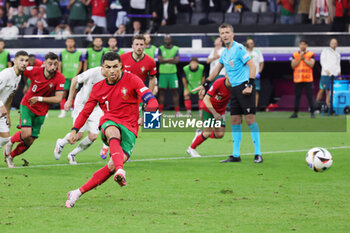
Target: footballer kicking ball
{"points": [[319, 159]]}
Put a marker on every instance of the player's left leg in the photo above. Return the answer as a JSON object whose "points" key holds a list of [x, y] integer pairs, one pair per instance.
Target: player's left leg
{"points": [[83, 145], [4, 131]]}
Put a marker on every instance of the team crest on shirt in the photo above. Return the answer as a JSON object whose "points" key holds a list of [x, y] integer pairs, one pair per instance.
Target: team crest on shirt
{"points": [[218, 97], [142, 69], [50, 85], [125, 93], [231, 63]]}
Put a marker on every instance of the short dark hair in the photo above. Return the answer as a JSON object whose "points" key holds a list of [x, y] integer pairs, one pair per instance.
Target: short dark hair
{"points": [[303, 41], [110, 56], [194, 59], [70, 38], [51, 56], [32, 56], [21, 53], [138, 37], [91, 21], [226, 25], [97, 37]]}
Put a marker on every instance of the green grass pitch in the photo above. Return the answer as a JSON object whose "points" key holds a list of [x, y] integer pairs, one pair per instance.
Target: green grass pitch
{"points": [[169, 192]]}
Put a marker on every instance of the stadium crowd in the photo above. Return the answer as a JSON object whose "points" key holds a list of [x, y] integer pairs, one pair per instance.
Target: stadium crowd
{"points": [[66, 17]]}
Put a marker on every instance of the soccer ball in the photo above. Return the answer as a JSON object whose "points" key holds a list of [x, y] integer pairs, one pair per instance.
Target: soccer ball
{"points": [[319, 159]]}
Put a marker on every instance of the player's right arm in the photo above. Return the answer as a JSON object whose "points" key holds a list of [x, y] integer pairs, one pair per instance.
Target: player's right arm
{"points": [[209, 105]]}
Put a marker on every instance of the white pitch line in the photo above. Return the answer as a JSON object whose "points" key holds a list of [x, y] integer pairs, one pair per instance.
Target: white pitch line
{"points": [[173, 158]]}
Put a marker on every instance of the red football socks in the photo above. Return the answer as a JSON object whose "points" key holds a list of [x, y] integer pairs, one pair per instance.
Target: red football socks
{"points": [[63, 101], [161, 106], [117, 153], [177, 109], [188, 105], [99, 177], [16, 137], [20, 148], [199, 139], [200, 104]]}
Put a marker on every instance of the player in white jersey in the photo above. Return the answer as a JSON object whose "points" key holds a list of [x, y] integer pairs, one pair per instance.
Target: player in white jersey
{"points": [[87, 79], [9, 80]]}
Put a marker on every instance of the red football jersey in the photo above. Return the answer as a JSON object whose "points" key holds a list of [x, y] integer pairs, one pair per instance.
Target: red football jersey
{"points": [[38, 62], [119, 102], [40, 86], [220, 96], [146, 66], [99, 7]]}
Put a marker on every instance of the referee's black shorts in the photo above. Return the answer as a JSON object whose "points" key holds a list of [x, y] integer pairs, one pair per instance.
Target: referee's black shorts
{"points": [[242, 104]]}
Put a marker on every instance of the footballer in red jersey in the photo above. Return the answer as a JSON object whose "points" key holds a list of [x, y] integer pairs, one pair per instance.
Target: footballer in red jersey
{"points": [[46, 88], [215, 100], [137, 62], [118, 96]]}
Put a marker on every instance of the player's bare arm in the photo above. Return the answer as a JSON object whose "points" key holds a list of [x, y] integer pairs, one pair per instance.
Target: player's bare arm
{"points": [[8, 108], [86, 63], [72, 93], [152, 82], [56, 99], [252, 69], [209, 105], [184, 82]]}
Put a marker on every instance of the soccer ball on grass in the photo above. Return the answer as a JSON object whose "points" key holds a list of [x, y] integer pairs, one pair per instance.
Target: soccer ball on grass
{"points": [[319, 159]]}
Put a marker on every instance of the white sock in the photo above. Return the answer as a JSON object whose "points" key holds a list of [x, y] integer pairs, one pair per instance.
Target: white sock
{"points": [[64, 141], [83, 145], [3, 141]]}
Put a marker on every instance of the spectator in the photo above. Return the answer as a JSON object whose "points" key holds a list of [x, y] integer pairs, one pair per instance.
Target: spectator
{"points": [[98, 13], [53, 10], [121, 30], [64, 7], [150, 50], [3, 19], [20, 20], [12, 7], [330, 62], [62, 31], [93, 56], [5, 59], [40, 29], [213, 58], [303, 63], [287, 11], [164, 13], [27, 6], [42, 11], [274, 7], [117, 14], [212, 5], [259, 6], [168, 57], [136, 26], [186, 5], [341, 14], [321, 11], [10, 32], [77, 15], [92, 28], [33, 21], [303, 10], [236, 6], [112, 46], [258, 60], [138, 7]]}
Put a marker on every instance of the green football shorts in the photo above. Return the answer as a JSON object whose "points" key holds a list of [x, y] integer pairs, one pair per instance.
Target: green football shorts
{"points": [[209, 116], [128, 138], [168, 81], [29, 119]]}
